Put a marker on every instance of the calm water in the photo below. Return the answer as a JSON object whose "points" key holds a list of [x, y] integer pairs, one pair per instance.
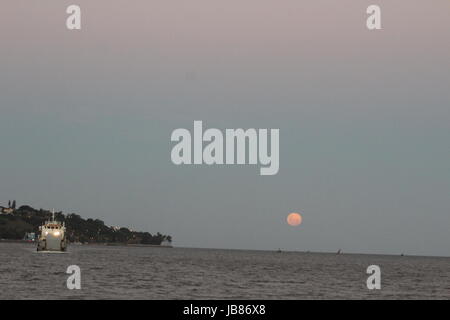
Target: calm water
{"points": [[159, 273]]}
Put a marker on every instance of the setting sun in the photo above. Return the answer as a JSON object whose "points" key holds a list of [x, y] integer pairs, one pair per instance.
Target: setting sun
{"points": [[294, 219]]}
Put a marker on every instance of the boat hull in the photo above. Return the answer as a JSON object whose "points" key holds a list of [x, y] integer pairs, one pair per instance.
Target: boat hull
{"points": [[52, 243]]}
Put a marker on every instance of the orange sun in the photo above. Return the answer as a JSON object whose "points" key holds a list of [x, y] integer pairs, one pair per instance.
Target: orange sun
{"points": [[294, 219]]}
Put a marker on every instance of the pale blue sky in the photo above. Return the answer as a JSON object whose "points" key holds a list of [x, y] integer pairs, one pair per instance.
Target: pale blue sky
{"points": [[364, 117]]}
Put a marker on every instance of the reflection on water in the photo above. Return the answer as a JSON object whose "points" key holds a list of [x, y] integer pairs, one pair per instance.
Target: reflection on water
{"points": [[178, 273]]}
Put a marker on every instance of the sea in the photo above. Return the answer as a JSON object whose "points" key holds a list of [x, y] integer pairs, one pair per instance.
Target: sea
{"points": [[123, 272]]}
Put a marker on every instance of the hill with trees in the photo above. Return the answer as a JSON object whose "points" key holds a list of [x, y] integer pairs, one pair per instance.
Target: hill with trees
{"points": [[26, 219]]}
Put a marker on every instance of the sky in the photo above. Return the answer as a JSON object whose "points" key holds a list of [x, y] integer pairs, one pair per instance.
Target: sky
{"points": [[364, 116]]}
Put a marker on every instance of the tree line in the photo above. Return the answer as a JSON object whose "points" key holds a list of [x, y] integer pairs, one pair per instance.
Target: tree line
{"points": [[27, 219]]}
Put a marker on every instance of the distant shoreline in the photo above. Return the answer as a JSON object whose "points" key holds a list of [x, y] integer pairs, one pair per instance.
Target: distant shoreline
{"points": [[15, 241], [132, 245], [234, 249], [350, 253], [94, 244]]}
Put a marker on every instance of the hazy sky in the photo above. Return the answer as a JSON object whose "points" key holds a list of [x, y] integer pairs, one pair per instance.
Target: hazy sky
{"points": [[364, 118]]}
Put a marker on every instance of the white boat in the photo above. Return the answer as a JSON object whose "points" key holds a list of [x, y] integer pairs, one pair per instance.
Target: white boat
{"points": [[53, 236]]}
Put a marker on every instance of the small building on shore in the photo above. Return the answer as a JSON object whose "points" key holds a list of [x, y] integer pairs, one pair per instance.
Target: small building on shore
{"points": [[6, 210], [166, 243], [30, 236]]}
